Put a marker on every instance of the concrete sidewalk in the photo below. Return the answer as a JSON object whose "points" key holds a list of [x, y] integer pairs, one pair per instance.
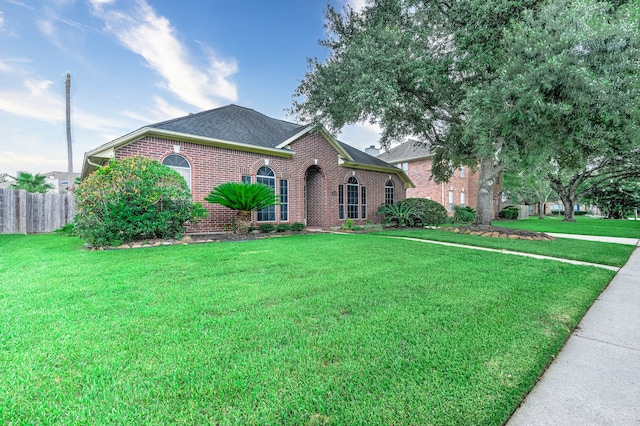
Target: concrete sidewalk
{"points": [[595, 380], [617, 240]]}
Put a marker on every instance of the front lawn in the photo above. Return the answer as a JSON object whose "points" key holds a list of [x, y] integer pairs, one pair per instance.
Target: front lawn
{"points": [[585, 251], [583, 225], [308, 329]]}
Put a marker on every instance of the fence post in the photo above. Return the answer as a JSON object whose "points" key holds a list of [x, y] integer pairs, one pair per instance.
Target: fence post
{"points": [[22, 209]]}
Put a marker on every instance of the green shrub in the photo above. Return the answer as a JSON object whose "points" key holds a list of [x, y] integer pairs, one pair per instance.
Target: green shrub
{"points": [[463, 214], [428, 212], [133, 199], [67, 230], [283, 227], [509, 213], [267, 227], [399, 214], [297, 226], [347, 225]]}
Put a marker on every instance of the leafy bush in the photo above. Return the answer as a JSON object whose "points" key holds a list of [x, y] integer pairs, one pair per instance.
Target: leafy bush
{"points": [[399, 214], [283, 227], [509, 213], [267, 227], [66, 230], [131, 200], [428, 212], [347, 225], [297, 226], [463, 214]]}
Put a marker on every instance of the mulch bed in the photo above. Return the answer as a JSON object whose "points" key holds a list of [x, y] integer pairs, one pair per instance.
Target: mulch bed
{"points": [[498, 232], [202, 238], [481, 230]]}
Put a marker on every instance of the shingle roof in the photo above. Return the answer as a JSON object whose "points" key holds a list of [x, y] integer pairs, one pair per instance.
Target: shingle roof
{"points": [[407, 151], [362, 157], [233, 123]]}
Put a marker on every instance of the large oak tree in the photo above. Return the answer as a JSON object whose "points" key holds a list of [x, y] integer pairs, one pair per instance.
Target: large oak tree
{"points": [[458, 75]]}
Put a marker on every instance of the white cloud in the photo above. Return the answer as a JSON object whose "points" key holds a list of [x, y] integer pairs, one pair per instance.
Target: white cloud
{"points": [[36, 100], [161, 111], [31, 163], [46, 27], [1, 20], [356, 5], [151, 36]]}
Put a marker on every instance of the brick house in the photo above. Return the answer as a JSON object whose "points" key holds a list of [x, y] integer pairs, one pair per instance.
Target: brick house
{"points": [[415, 159], [319, 180]]}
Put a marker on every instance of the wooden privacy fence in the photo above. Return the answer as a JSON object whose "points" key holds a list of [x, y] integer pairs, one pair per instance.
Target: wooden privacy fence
{"points": [[22, 212]]}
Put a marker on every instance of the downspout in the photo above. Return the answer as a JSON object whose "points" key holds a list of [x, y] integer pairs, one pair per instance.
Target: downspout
{"points": [[442, 193]]}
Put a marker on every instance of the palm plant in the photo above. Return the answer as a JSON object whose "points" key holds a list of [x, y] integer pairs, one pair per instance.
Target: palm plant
{"points": [[399, 213], [31, 183], [244, 198]]}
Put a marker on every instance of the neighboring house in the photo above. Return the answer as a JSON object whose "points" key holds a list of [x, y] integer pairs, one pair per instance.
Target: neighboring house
{"points": [[415, 159], [319, 181], [60, 181]]}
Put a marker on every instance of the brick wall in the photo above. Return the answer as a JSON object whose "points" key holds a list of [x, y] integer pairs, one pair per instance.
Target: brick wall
{"points": [[420, 173], [314, 158]]}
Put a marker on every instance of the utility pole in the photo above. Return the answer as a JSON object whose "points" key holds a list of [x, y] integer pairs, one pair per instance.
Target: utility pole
{"points": [[69, 148]]}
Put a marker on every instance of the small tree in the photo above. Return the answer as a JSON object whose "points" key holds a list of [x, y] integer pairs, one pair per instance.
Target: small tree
{"points": [[244, 198], [133, 199], [31, 183], [399, 213]]}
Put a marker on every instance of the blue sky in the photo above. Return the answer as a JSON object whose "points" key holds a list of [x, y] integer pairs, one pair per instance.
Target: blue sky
{"points": [[136, 62]]}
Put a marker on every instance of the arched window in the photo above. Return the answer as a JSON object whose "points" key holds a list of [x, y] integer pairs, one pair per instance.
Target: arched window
{"points": [[388, 192], [180, 165], [352, 198], [266, 176]]}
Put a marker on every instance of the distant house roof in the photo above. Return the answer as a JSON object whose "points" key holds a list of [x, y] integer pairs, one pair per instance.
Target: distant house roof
{"points": [[240, 128], [407, 151]]}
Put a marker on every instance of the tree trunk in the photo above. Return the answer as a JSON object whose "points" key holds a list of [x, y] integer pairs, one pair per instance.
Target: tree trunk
{"points": [[488, 174], [567, 193], [69, 149], [568, 209], [243, 222], [541, 209]]}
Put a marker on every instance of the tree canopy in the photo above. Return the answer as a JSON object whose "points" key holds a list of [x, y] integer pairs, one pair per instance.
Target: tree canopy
{"points": [[568, 95], [483, 82]]}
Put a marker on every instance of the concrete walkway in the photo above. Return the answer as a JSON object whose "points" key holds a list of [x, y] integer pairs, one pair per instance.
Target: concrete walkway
{"points": [[514, 253], [617, 240], [595, 380]]}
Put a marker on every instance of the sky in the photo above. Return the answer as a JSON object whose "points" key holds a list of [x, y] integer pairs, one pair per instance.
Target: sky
{"points": [[138, 62]]}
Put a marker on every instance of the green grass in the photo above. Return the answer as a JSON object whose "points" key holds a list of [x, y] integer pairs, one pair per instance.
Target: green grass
{"points": [[583, 225], [585, 251], [309, 329]]}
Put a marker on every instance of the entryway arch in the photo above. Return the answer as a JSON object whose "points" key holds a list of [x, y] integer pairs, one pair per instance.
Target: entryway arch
{"points": [[315, 197]]}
